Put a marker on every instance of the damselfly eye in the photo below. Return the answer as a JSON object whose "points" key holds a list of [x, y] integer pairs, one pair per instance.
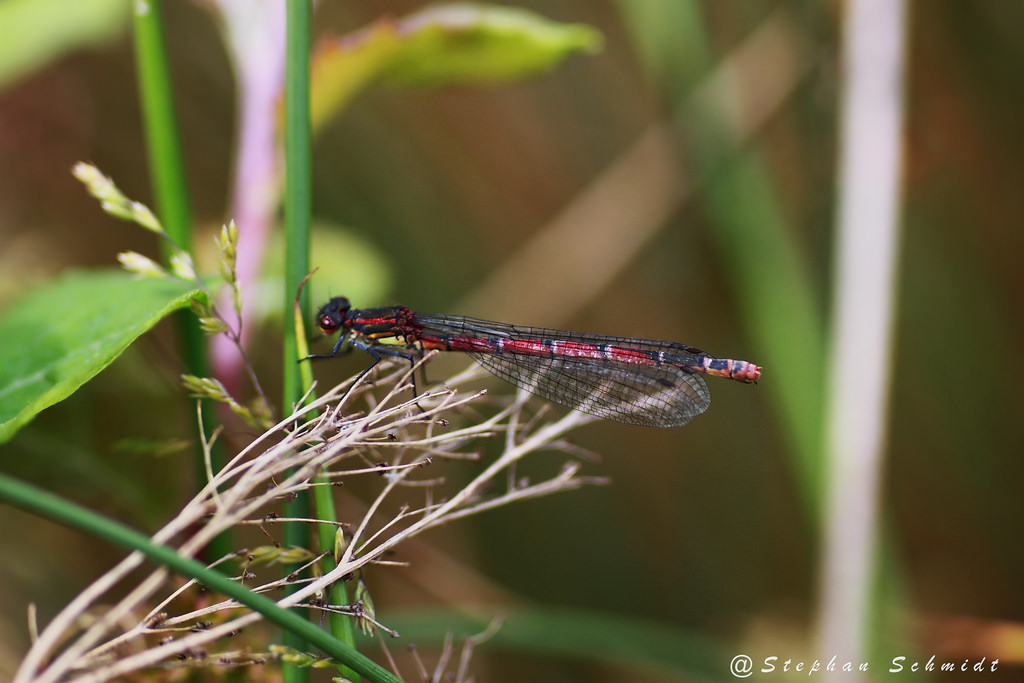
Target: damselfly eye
{"points": [[328, 324]]}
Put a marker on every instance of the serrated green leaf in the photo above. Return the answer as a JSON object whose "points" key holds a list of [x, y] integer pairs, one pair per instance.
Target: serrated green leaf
{"points": [[458, 44], [60, 336]]}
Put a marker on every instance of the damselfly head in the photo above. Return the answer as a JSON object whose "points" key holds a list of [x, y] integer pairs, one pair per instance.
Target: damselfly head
{"points": [[332, 316]]}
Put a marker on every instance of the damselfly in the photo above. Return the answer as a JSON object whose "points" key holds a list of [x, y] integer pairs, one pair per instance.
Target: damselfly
{"points": [[636, 381]]}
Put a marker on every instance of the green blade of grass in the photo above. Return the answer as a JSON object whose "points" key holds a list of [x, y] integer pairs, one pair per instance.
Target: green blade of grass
{"points": [[298, 200], [46, 504]]}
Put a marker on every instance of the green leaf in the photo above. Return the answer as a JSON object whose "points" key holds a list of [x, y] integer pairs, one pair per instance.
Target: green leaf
{"points": [[60, 336], [459, 44], [466, 43]]}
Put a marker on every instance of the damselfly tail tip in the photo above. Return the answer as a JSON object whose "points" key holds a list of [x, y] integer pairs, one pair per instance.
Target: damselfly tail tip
{"points": [[747, 372]]}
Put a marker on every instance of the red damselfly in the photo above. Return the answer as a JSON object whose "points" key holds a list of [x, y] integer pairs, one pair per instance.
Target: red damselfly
{"points": [[636, 381]]}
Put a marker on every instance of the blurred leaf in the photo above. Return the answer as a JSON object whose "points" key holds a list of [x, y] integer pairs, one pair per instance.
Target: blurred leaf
{"points": [[35, 32], [60, 336], [459, 44], [468, 43]]}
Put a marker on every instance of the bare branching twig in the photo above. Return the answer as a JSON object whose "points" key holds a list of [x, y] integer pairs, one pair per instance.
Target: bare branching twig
{"points": [[403, 441]]}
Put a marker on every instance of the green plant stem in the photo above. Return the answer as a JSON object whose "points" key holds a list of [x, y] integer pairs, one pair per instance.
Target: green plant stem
{"points": [[341, 625], [298, 171], [160, 125], [170, 190], [43, 503], [298, 180]]}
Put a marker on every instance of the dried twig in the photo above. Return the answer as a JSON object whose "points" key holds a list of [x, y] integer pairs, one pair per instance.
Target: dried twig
{"points": [[399, 438]]}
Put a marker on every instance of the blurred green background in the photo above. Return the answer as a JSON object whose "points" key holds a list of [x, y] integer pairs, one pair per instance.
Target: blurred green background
{"points": [[675, 212]]}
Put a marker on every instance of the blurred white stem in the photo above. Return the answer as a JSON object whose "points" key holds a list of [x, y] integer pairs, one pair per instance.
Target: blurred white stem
{"points": [[861, 334]]}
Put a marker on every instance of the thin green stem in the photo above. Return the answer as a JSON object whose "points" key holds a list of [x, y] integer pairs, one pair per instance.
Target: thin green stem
{"points": [[341, 625], [161, 127], [298, 179], [298, 190], [167, 169]]}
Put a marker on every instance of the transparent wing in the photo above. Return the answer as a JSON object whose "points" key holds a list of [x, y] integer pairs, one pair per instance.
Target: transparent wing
{"points": [[650, 396]]}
